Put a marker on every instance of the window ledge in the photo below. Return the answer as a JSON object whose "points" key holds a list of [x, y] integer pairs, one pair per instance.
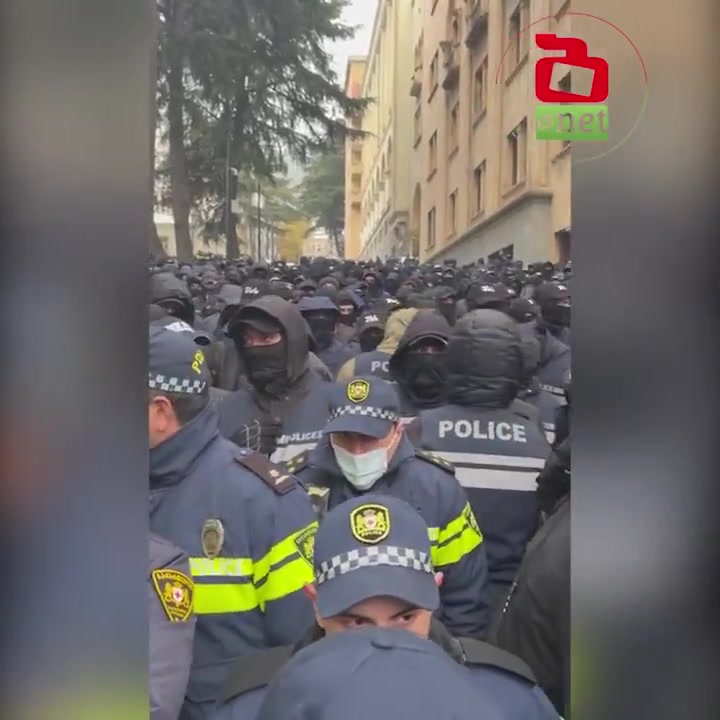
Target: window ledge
{"points": [[479, 215], [513, 189], [431, 94], [479, 117], [452, 236], [418, 140], [453, 152], [432, 174], [514, 72], [560, 155]]}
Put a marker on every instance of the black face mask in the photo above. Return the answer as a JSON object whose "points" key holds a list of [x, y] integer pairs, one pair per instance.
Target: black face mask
{"points": [[370, 339], [425, 377], [556, 316], [266, 367], [323, 330]]}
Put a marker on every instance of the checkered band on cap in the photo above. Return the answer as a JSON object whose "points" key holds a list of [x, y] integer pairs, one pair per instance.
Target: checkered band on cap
{"points": [[175, 385], [388, 555], [365, 411]]}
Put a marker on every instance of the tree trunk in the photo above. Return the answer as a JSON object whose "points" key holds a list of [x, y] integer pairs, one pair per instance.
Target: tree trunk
{"points": [[232, 247], [179, 186], [156, 248]]}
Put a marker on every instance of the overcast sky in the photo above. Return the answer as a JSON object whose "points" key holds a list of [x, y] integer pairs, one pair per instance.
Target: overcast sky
{"points": [[361, 13]]}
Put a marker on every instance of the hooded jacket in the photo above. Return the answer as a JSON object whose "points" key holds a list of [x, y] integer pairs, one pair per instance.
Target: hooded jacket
{"points": [[229, 298], [304, 408], [485, 360], [165, 286], [377, 362], [555, 359], [494, 440], [425, 323]]}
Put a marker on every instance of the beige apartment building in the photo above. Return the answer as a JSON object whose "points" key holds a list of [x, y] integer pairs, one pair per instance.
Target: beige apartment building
{"points": [[386, 151], [354, 74], [481, 183]]}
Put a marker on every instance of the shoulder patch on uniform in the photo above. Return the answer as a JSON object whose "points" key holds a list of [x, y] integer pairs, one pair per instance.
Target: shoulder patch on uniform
{"points": [[175, 591], [305, 543], [274, 476], [435, 460], [481, 653], [297, 463]]}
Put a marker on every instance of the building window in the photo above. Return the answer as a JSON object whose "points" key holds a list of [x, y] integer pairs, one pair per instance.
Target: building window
{"points": [[480, 88], [517, 154], [431, 228], [357, 155], [433, 5], [479, 189], [452, 213], [432, 154], [417, 125], [519, 43], [453, 127], [566, 86], [356, 182], [357, 122], [433, 73]]}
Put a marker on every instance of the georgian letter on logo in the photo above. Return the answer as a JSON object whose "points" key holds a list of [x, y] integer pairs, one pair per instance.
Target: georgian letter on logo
{"points": [[576, 54]]}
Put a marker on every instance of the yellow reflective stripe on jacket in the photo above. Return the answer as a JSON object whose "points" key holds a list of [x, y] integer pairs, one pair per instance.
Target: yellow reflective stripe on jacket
{"points": [[458, 538], [283, 570], [232, 596], [226, 598]]}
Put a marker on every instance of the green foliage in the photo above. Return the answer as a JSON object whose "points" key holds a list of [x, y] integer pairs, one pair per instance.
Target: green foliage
{"points": [[322, 194], [257, 72]]}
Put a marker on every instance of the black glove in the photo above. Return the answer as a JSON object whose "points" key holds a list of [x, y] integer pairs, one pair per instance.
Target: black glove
{"points": [[260, 436]]}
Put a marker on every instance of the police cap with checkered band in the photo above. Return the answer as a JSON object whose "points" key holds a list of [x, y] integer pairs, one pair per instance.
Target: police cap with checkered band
{"points": [[373, 546], [364, 405], [176, 363]]}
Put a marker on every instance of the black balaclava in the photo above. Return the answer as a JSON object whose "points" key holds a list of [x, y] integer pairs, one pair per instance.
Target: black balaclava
{"points": [[370, 338], [392, 282], [266, 367], [424, 377], [322, 324]]}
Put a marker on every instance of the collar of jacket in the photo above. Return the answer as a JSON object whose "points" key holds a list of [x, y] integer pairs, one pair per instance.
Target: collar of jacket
{"points": [[322, 457], [170, 461], [439, 634]]}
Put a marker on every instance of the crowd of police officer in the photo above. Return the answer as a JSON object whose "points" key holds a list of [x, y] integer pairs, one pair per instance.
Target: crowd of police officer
{"points": [[303, 419]]}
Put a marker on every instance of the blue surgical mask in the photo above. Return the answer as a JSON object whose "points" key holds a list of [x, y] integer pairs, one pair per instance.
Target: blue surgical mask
{"points": [[364, 470]]}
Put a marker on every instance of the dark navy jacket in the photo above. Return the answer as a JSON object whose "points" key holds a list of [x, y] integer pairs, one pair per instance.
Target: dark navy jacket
{"points": [[495, 441], [429, 486], [242, 603]]}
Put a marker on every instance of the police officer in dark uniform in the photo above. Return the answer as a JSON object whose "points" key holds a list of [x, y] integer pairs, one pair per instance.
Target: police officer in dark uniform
{"points": [[273, 340], [240, 519], [553, 298], [323, 317], [171, 628], [555, 355], [377, 362], [494, 440], [173, 295], [373, 572], [363, 449]]}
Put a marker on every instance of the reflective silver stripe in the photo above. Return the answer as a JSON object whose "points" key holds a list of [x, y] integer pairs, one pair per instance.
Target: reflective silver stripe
{"points": [[286, 452], [221, 567], [457, 458], [486, 479]]}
